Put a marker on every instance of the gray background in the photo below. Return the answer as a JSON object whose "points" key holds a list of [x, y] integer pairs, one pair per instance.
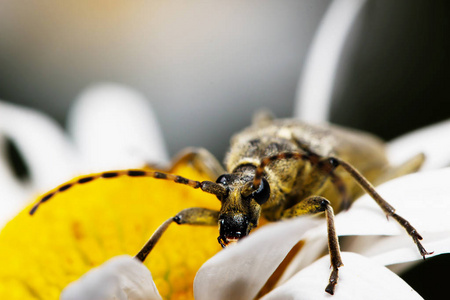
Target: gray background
{"points": [[206, 66]]}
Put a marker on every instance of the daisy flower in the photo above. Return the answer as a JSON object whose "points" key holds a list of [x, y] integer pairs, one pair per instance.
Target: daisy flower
{"points": [[90, 227], [80, 245]]}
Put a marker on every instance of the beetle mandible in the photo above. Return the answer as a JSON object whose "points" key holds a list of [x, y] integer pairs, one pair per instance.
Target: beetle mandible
{"points": [[280, 169]]}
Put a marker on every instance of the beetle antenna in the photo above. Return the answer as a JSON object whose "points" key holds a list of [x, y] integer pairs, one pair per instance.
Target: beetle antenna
{"points": [[267, 160], [314, 159], [206, 186]]}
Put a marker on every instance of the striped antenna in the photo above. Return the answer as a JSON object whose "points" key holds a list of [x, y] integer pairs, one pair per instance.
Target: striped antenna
{"points": [[325, 165], [267, 160], [206, 186]]}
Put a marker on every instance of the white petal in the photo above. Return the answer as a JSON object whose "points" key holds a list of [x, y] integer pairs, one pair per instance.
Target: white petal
{"points": [[122, 277], [115, 128], [391, 250], [240, 271], [316, 84], [421, 198], [41, 142], [316, 242], [433, 140], [13, 194], [359, 278]]}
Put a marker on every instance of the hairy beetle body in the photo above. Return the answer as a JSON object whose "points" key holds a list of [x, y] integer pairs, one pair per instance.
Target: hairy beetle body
{"points": [[291, 180]]}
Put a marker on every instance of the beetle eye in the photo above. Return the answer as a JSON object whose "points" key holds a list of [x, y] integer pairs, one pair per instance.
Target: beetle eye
{"points": [[223, 179], [262, 194]]}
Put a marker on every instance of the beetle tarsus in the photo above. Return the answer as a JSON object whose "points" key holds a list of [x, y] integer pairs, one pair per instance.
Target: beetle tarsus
{"points": [[416, 237], [332, 282]]}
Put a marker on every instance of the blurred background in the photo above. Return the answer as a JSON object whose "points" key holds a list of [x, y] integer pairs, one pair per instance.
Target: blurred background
{"points": [[206, 66]]}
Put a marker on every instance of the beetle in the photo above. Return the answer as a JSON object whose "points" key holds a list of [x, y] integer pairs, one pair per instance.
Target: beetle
{"points": [[280, 169]]}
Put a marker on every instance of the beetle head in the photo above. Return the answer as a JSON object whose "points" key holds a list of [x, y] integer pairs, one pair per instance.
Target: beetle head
{"points": [[241, 206]]}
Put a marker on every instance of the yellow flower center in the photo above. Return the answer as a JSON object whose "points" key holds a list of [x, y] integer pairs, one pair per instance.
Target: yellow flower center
{"points": [[86, 225]]}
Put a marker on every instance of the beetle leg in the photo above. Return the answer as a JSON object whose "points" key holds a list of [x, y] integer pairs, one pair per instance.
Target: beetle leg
{"points": [[327, 165], [385, 206], [412, 165], [190, 216], [342, 189], [314, 205], [199, 158]]}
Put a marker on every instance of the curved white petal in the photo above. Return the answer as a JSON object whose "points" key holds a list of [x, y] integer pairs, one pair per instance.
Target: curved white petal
{"points": [[433, 140], [421, 198], [114, 127], [316, 242], [240, 271], [122, 277], [45, 149], [13, 194], [391, 250], [316, 83], [359, 278]]}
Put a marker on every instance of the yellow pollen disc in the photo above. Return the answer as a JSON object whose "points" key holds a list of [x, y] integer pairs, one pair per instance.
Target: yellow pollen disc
{"points": [[86, 225]]}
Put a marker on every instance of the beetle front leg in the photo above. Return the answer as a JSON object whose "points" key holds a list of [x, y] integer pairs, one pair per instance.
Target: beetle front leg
{"points": [[327, 165], [388, 209], [200, 159], [190, 216], [314, 205]]}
